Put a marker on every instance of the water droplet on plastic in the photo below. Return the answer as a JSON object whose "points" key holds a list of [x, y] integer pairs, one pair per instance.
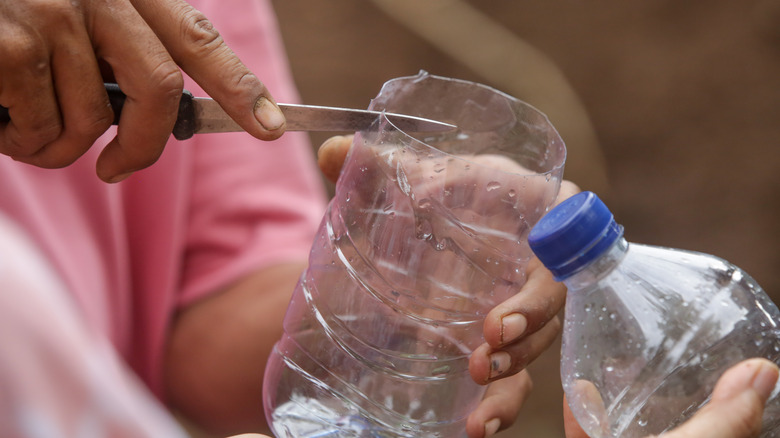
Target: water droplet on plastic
{"points": [[512, 193], [493, 185]]}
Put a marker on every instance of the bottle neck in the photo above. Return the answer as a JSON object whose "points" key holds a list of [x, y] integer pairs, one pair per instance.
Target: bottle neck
{"points": [[599, 267]]}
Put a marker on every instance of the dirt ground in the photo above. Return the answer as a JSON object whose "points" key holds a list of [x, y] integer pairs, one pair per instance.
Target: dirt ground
{"points": [[683, 99]]}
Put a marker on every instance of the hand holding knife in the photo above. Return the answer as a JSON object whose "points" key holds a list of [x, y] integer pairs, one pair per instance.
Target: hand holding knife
{"points": [[199, 115]]}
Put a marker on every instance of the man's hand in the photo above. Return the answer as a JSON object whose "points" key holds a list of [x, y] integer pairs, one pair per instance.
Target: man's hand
{"points": [[57, 54], [735, 409]]}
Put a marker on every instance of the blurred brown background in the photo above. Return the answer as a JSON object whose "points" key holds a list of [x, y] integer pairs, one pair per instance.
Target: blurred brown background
{"points": [[670, 110]]}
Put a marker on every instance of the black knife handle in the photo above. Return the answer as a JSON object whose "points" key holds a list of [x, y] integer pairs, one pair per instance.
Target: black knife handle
{"points": [[185, 121]]}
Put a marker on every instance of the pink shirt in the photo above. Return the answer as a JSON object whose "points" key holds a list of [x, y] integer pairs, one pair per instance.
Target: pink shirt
{"points": [[57, 377], [210, 210]]}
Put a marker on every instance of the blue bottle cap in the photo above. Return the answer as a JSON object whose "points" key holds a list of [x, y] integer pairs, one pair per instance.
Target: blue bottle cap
{"points": [[573, 234]]}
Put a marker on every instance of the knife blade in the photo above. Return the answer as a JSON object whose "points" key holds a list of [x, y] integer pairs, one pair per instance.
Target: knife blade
{"points": [[201, 115]]}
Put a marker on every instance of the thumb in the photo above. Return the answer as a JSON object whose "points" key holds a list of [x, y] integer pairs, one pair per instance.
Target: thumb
{"points": [[331, 155], [737, 403], [571, 427]]}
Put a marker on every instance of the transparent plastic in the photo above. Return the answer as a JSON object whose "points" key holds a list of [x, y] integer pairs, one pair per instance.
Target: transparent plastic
{"points": [[425, 234], [649, 330]]}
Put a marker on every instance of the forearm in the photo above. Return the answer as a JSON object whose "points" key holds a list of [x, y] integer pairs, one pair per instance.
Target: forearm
{"points": [[218, 348]]}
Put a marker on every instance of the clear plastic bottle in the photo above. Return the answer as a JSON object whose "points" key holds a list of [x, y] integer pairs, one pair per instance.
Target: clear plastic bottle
{"points": [[647, 330], [422, 238]]}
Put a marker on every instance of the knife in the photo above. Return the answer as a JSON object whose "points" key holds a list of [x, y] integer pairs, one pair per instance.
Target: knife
{"points": [[200, 115]]}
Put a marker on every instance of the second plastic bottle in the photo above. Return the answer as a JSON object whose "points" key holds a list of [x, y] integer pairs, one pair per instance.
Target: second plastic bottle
{"points": [[648, 330]]}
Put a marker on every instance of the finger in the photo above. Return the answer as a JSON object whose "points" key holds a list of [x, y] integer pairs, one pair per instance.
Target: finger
{"points": [[487, 364], [509, 327], [500, 406], [571, 427], [332, 154], [26, 89], [737, 403], [152, 83], [198, 48], [567, 190], [538, 302], [86, 113]]}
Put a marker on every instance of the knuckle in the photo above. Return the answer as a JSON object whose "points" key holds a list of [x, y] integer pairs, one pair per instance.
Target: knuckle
{"points": [[166, 83], [199, 33], [94, 125], [246, 81], [204, 42], [42, 131], [60, 14], [23, 50], [20, 145], [242, 88], [167, 78]]}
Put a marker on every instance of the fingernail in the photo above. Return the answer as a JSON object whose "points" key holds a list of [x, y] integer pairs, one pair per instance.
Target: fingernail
{"points": [[491, 427], [500, 361], [120, 177], [765, 379], [268, 114], [512, 327]]}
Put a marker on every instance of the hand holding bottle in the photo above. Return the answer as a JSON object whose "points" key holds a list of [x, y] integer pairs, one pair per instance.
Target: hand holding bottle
{"points": [[735, 409], [648, 330]]}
